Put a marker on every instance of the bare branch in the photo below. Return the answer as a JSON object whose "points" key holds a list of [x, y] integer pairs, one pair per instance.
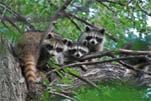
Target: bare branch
{"points": [[98, 62], [85, 80], [111, 52], [35, 19], [133, 52], [122, 62], [147, 13], [111, 1], [16, 14], [62, 95], [77, 26], [13, 24], [57, 15], [89, 24], [96, 55], [107, 7]]}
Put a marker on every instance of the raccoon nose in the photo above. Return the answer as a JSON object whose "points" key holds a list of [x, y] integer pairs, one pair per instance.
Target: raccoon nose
{"points": [[52, 55], [77, 55], [93, 42]]}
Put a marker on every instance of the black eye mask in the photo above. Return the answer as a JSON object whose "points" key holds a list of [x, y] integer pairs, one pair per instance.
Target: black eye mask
{"points": [[49, 47], [99, 39], [82, 51], [88, 38], [59, 50], [72, 51]]}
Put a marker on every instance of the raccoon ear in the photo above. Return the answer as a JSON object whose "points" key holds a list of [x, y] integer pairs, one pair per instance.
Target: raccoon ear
{"points": [[87, 29], [102, 31], [67, 42], [85, 43], [49, 36]]}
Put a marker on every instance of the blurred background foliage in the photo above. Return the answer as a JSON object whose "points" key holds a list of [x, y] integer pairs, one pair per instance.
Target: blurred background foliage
{"points": [[125, 20]]}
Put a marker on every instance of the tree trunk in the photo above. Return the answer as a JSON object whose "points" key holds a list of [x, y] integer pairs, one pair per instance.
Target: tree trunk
{"points": [[12, 83]]}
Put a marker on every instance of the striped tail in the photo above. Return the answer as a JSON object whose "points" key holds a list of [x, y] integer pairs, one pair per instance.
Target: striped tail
{"points": [[30, 71]]}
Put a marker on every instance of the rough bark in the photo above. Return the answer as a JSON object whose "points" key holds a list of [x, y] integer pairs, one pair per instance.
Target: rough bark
{"points": [[108, 73], [12, 83]]}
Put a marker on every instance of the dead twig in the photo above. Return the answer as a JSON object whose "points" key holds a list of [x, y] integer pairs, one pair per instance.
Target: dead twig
{"points": [[89, 24], [111, 52], [85, 80], [122, 62], [111, 1], [13, 24], [133, 52], [79, 77], [77, 26], [107, 7], [16, 14], [62, 95], [97, 55], [144, 11]]}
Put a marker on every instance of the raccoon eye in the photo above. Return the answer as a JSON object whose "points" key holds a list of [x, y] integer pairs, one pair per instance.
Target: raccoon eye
{"points": [[59, 49], [49, 47], [83, 52], [99, 39], [72, 51], [88, 37]]}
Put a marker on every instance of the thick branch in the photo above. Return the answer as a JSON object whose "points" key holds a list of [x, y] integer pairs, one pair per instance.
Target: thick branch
{"points": [[85, 80], [57, 15], [109, 53], [98, 62], [133, 52]]}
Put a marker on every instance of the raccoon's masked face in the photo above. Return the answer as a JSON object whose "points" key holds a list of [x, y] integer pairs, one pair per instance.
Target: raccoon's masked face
{"points": [[77, 50], [54, 50], [54, 46], [93, 37]]}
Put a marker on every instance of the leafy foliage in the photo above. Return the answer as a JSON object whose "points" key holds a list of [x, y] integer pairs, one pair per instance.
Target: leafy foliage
{"points": [[113, 92], [126, 20]]}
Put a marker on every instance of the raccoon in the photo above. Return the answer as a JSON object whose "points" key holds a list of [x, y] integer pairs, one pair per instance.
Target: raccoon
{"points": [[55, 45], [74, 53], [93, 39], [27, 51]]}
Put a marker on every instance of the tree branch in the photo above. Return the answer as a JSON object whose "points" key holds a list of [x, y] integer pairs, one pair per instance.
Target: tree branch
{"points": [[16, 14], [62, 95], [98, 62], [107, 7], [13, 24], [111, 1], [147, 13], [57, 15], [77, 26], [85, 80], [133, 52], [89, 24]]}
